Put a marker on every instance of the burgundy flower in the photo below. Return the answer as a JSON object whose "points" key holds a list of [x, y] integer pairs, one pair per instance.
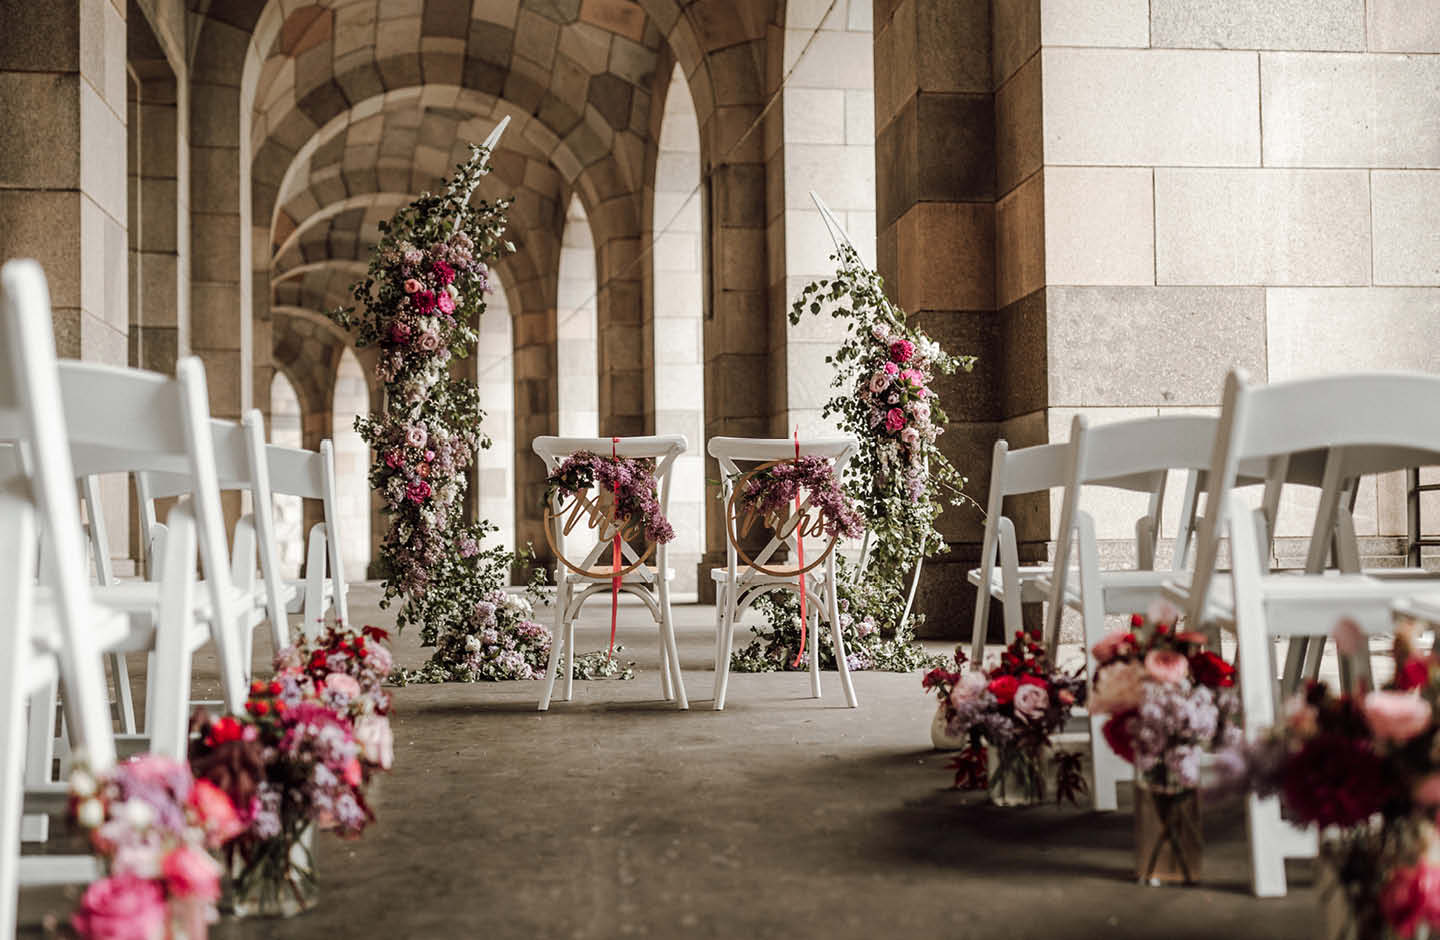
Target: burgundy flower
{"points": [[1413, 674], [443, 272], [424, 300], [418, 492], [1117, 735], [1335, 780], [400, 333], [1212, 671], [901, 350]]}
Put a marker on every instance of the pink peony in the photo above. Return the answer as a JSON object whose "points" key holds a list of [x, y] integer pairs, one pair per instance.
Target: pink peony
{"points": [[1167, 666], [411, 285], [415, 435], [342, 684], [121, 907], [894, 420], [1118, 687], [901, 350], [191, 873], [376, 741], [1031, 701], [400, 333], [1396, 716], [217, 813], [417, 492], [446, 303], [891, 369]]}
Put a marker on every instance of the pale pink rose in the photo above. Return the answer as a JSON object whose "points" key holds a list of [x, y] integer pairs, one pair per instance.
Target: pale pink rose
{"points": [[1350, 640], [429, 341], [880, 331], [343, 684], [1167, 666], [121, 907], [920, 410], [909, 435], [1396, 716], [191, 873], [878, 381], [415, 435], [412, 285], [1118, 687], [1109, 646], [1031, 701], [970, 687], [377, 742], [379, 658]]}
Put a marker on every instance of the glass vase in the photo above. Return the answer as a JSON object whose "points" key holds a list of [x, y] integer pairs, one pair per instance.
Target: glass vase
{"points": [[943, 739], [1169, 843], [274, 878], [1016, 774]]}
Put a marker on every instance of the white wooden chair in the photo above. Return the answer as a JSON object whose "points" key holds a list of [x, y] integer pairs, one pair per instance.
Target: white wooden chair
{"points": [[311, 475], [1001, 577], [240, 465], [1362, 421], [739, 584], [593, 574]]}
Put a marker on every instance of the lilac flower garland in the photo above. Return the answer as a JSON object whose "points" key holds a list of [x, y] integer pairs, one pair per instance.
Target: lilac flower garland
{"points": [[631, 480], [773, 490]]}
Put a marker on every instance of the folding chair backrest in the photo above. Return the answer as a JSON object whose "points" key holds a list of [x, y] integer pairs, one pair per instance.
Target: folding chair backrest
{"points": [[738, 455], [33, 411], [1365, 422], [310, 474], [664, 449]]}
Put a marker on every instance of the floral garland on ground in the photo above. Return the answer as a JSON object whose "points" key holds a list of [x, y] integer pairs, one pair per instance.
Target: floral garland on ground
{"points": [[900, 480], [422, 298], [630, 480]]}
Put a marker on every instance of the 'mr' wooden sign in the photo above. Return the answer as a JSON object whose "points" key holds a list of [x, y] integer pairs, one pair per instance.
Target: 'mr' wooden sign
{"points": [[593, 511]]}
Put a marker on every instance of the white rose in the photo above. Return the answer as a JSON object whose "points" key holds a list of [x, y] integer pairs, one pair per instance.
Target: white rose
{"points": [[90, 813], [82, 784]]}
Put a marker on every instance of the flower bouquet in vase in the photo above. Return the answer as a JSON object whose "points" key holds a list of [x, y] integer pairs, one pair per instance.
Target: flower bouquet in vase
{"points": [[1009, 715], [1364, 767], [298, 761], [150, 823], [1170, 701]]}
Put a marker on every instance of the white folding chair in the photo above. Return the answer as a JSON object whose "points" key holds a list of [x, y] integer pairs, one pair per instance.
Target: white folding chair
{"points": [[1000, 576], [240, 465], [1362, 421], [738, 585], [575, 585], [311, 475]]}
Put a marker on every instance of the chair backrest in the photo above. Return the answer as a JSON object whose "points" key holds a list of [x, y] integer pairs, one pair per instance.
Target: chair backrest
{"points": [[33, 411], [664, 449], [310, 474], [1364, 422], [740, 455]]}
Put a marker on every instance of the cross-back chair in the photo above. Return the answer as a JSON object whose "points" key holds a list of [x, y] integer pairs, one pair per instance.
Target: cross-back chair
{"points": [[575, 583], [742, 581]]}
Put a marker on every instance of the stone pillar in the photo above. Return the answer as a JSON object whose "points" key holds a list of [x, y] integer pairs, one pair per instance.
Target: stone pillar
{"points": [[938, 195]]}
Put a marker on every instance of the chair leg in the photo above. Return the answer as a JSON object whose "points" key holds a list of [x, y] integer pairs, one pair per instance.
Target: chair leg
{"points": [[672, 650], [40, 742], [667, 690], [842, 663], [557, 640], [120, 676], [570, 655], [814, 628], [722, 659]]}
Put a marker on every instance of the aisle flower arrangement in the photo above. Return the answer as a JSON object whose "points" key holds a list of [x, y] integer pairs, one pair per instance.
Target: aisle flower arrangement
{"points": [[1170, 702], [900, 481], [1009, 714], [151, 824], [297, 761], [1365, 768], [419, 307]]}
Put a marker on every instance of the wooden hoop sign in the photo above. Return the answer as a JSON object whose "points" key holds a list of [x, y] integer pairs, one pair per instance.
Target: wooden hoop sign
{"points": [[739, 520], [598, 516]]}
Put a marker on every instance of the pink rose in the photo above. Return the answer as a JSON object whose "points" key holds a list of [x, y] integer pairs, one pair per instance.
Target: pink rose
{"points": [[446, 303], [342, 684], [191, 873], [1110, 645], [1031, 701], [913, 377], [920, 410], [217, 813], [1396, 716], [1167, 666], [1118, 687], [878, 381], [418, 492], [379, 658], [901, 350], [895, 420], [376, 741], [909, 435], [400, 333], [411, 285], [121, 907], [415, 435], [429, 341], [880, 331], [969, 688], [891, 369]]}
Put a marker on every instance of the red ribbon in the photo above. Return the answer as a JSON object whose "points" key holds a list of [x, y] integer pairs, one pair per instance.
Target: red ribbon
{"points": [[800, 554], [616, 577]]}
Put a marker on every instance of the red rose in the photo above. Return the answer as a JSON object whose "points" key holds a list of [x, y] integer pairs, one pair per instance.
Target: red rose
{"points": [[223, 731], [1210, 670], [1412, 675], [1004, 688], [1118, 736]]}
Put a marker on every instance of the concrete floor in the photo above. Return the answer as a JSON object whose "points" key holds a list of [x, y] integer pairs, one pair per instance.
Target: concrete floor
{"points": [[781, 817]]}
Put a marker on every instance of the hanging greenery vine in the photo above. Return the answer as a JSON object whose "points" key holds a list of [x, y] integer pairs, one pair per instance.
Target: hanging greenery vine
{"points": [[900, 480]]}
